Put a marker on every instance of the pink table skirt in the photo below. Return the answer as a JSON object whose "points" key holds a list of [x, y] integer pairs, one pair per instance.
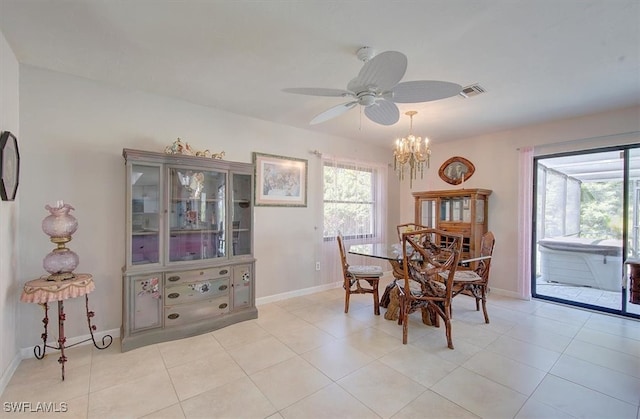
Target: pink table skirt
{"points": [[42, 291]]}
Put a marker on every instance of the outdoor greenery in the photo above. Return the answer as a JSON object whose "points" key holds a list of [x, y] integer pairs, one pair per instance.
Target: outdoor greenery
{"points": [[348, 201], [601, 210], [598, 215]]}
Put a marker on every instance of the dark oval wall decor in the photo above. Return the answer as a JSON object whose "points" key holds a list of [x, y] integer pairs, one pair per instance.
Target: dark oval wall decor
{"points": [[9, 166], [456, 170]]}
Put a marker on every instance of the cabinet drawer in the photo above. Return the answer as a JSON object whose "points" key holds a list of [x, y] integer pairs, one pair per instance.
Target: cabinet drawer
{"points": [[464, 229], [180, 314], [174, 278], [196, 291]]}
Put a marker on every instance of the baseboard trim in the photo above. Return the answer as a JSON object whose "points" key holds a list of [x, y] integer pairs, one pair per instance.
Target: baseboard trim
{"points": [[8, 373], [506, 293], [297, 293]]}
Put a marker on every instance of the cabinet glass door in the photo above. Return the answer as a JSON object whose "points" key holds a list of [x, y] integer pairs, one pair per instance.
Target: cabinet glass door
{"points": [[241, 227], [428, 213], [145, 214], [455, 209], [196, 214]]}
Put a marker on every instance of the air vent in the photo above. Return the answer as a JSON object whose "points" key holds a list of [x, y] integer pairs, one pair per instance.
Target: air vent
{"points": [[471, 90]]}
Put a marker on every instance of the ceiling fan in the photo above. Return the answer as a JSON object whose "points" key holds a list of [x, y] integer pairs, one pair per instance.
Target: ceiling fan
{"points": [[377, 88]]}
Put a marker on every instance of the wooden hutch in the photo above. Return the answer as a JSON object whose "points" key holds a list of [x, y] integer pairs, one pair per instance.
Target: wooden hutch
{"points": [[463, 211]]}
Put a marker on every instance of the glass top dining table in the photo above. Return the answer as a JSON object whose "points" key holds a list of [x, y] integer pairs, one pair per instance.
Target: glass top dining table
{"points": [[393, 253], [387, 251]]}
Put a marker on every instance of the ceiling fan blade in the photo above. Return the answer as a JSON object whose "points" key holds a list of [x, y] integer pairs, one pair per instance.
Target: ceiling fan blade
{"points": [[424, 91], [383, 71], [318, 91], [333, 112], [383, 112]]}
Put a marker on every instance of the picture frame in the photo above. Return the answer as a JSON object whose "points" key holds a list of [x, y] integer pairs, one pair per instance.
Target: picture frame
{"points": [[280, 181], [456, 170], [9, 166]]}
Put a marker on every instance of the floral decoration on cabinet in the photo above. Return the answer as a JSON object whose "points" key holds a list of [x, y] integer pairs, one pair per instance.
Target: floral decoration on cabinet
{"points": [[150, 287], [179, 147]]}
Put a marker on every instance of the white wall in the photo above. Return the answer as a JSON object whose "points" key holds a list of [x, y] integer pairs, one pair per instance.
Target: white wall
{"points": [[9, 281], [74, 131], [495, 157]]}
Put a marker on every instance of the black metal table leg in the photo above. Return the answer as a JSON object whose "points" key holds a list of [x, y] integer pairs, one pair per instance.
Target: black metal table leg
{"points": [[92, 328], [39, 353]]}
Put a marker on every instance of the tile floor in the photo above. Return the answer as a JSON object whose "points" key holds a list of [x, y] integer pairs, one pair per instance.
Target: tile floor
{"points": [[587, 295], [305, 358], [580, 294]]}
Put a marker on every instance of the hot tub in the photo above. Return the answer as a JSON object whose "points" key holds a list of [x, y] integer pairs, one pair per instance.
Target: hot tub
{"points": [[584, 262]]}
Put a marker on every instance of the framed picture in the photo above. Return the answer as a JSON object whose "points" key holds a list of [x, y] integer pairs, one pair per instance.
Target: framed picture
{"points": [[280, 181], [9, 166]]}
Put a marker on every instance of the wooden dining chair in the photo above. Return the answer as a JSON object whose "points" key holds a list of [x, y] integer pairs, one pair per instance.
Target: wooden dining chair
{"points": [[474, 281], [389, 298], [353, 275], [408, 227], [427, 254]]}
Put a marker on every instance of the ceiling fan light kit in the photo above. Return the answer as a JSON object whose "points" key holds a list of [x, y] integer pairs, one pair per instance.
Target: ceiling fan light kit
{"points": [[365, 53], [377, 89]]}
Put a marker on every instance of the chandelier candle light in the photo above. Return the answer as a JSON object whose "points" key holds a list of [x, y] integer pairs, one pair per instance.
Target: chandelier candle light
{"points": [[413, 151]]}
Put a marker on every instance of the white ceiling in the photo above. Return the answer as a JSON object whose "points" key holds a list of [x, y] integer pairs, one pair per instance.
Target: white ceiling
{"points": [[538, 60]]}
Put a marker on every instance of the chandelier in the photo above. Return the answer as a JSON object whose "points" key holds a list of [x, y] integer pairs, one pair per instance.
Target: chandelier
{"points": [[413, 151]]}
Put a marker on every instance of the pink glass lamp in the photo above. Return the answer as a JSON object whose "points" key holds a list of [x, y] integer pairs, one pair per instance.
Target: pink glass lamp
{"points": [[59, 226]]}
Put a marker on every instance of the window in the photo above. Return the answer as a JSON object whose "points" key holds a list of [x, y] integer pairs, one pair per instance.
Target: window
{"points": [[351, 200]]}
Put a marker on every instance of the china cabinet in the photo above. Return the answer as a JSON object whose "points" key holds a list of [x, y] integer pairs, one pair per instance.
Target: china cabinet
{"points": [[189, 265], [461, 211]]}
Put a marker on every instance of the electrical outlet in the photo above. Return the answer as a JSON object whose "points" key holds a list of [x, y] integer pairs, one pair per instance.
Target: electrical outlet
{"points": [[317, 266]]}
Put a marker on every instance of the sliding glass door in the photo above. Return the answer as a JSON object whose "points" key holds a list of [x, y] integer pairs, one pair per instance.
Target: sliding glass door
{"points": [[631, 303], [583, 231]]}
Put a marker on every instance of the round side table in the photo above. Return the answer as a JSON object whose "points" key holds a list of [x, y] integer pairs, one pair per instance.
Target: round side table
{"points": [[43, 291]]}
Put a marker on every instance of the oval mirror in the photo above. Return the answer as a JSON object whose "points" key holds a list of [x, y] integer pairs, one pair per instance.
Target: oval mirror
{"points": [[456, 170]]}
